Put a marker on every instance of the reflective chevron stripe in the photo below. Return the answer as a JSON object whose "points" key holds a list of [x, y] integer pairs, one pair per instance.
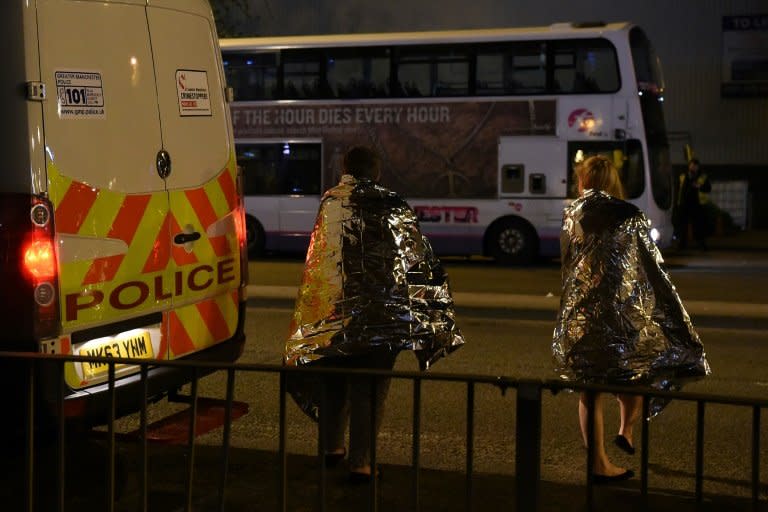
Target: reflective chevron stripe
{"points": [[201, 325], [118, 260]]}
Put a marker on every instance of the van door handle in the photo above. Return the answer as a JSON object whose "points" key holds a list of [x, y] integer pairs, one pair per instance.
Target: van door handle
{"points": [[183, 238]]}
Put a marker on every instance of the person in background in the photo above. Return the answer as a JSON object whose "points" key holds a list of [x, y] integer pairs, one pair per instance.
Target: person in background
{"points": [[620, 319], [693, 194], [371, 288]]}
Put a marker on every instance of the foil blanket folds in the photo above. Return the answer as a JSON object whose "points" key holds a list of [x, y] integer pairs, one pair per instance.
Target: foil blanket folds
{"points": [[370, 279], [621, 320]]}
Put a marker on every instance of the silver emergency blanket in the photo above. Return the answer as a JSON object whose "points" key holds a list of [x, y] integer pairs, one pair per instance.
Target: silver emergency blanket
{"points": [[621, 320], [370, 279]]}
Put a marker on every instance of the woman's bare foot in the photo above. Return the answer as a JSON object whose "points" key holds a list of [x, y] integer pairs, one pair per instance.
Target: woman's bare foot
{"points": [[607, 469]]}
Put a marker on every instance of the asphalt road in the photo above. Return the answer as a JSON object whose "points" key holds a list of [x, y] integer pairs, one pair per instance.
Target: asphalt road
{"points": [[733, 276]]}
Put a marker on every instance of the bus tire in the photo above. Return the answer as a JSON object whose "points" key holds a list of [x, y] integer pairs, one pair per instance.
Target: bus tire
{"points": [[254, 235], [512, 241]]}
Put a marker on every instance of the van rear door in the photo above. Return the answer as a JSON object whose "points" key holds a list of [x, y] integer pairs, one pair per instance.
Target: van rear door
{"points": [[102, 136], [202, 182], [142, 178]]}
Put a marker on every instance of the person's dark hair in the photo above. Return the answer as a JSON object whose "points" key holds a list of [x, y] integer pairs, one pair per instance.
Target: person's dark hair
{"points": [[362, 162], [694, 161]]}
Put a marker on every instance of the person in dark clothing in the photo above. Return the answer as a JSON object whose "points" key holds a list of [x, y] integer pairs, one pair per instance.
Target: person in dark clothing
{"points": [[692, 195]]}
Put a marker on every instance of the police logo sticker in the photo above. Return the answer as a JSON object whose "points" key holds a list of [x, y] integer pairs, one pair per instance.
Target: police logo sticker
{"points": [[192, 89], [80, 94]]}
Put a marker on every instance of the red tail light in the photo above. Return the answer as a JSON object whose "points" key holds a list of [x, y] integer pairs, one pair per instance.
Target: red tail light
{"points": [[240, 229], [40, 259], [28, 271], [240, 226]]}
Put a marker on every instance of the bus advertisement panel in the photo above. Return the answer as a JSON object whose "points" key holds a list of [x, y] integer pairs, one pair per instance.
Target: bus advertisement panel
{"points": [[431, 149]]}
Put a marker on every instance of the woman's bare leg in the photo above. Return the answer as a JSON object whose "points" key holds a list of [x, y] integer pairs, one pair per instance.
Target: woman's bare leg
{"points": [[629, 412], [601, 464]]}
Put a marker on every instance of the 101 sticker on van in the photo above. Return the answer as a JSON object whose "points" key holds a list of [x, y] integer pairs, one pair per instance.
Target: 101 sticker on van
{"points": [[80, 94]]}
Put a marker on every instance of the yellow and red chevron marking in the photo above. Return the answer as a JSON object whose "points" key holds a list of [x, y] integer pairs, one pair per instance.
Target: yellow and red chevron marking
{"points": [[146, 225], [88, 211], [202, 205], [200, 325], [124, 228], [73, 208], [162, 250]]}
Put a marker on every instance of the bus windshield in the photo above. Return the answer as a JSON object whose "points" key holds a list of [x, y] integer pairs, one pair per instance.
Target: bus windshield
{"points": [[627, 156], [650, 87]]}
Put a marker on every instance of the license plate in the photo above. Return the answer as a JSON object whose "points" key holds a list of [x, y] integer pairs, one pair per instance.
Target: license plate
{"points": [[135, 345]]}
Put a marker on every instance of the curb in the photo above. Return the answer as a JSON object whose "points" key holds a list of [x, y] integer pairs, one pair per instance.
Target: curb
{"points": [[742, 310]]}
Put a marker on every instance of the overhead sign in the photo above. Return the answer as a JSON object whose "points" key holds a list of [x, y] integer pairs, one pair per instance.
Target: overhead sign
{"points": [[745, 56]]}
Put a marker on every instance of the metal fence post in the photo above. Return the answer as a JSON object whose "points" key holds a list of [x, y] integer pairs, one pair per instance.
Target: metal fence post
{"points": [[528, 445]]}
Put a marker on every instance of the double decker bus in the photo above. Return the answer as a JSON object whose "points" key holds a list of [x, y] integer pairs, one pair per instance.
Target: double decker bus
{"points": [[478, 129]]}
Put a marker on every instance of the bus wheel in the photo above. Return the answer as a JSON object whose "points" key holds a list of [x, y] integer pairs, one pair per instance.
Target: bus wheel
{"points": [[512, 242], [254, 234]]}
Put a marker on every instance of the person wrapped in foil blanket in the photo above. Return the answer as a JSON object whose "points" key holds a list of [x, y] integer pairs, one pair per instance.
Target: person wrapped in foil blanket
{"points": [[621, 319], [371, 281]]}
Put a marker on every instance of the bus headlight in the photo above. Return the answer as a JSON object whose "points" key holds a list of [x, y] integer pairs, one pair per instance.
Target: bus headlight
{"points": [[655, 235]]}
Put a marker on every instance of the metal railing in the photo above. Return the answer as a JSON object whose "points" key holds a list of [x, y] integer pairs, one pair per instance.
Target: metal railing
{"points": [[528, 429]]}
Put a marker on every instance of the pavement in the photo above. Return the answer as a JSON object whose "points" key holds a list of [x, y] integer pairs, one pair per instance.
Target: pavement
{"points": [[253, 484]]}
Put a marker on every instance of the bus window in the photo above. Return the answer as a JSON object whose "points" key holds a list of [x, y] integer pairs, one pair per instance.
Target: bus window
{"points": [[280, 169], [627, 156], [650, 85], [490, 74], [253, 76], [513, 68], [512, 179], [358, 73], [525, 71], [646, 62], [588, 66], [304, 76], [661, 175], [537, 183], [425, 72]]}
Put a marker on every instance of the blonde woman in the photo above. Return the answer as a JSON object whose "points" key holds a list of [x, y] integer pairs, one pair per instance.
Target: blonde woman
{"points": [[620, 320]]}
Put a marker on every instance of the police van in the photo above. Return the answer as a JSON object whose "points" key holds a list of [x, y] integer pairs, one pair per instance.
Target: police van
{"points": [[121, 219]]}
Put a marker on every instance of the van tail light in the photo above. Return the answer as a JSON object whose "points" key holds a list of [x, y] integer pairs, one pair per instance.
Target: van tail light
{"points": [[242, 237], [40, 260], [40, 264], [29, 272]]}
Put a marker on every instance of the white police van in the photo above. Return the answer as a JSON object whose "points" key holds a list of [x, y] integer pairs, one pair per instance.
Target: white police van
{"points": [[121, 220]]}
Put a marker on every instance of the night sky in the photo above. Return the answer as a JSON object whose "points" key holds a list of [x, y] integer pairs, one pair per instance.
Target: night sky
{"points": [[287, 17]]}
